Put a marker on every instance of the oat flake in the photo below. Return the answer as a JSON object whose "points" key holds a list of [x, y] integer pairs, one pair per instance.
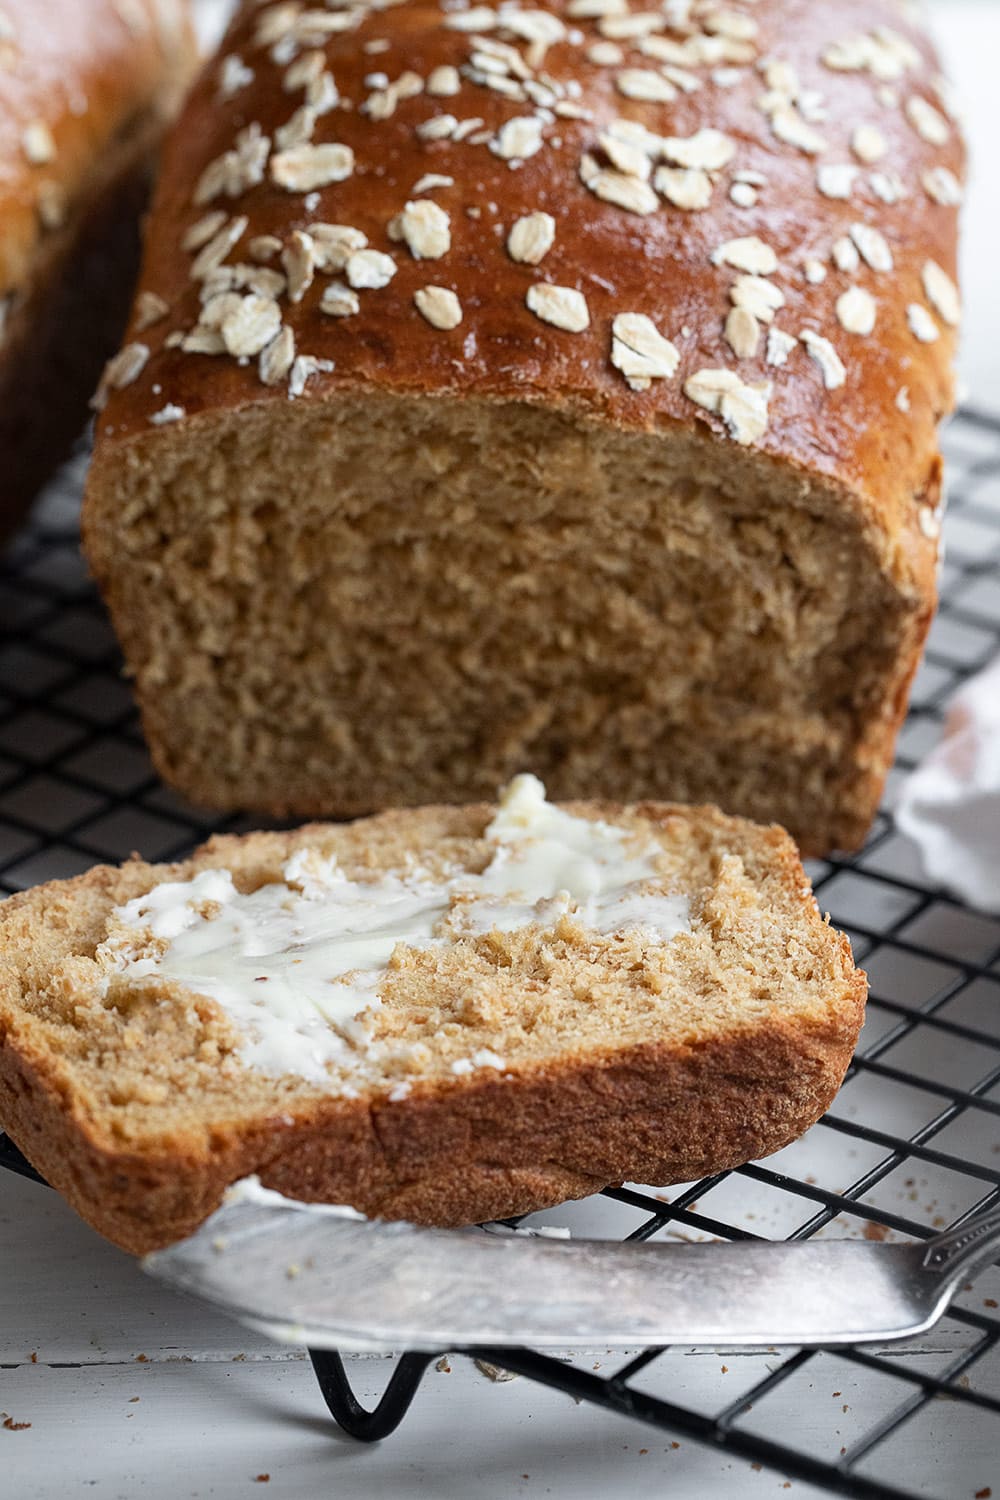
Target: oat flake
{"points": [[779, 346], [334, 244], [930, 523], [426, 228], [437, 128], [277, 357], [759, 296], [823, 354], [37, 143], [707, 150], [746, 254], [444, 82], [202, 341], [517, 139], [203, 230], [264, 247], [868, 144], [236, 170], [339, 301], [941, 184], [685, 187], [120, 371], [303, 369], [297, 130], [922, 325], [742, 332], [149, 309], [306, 68], [927, 121], [640, 351], [302, 168], [439, 306], [247, 329], [872, 246], [561, 306], [629, 193], [742, 407], [167, 414], [790, 127], [856, 310], [845, 255], [234, 75], [836, 179], [605, 54], [531, 238], [625, 156], [941, 293], [430, 181], [299, 261], [889, 187], [370, 269], [211, 256], [645, 85]]}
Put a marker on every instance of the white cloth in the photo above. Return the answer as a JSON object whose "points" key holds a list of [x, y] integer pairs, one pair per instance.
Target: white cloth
{"points": [[950, 805]]}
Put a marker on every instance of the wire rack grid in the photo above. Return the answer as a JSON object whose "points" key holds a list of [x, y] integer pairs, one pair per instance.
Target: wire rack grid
{"points": [[911, 1144]]}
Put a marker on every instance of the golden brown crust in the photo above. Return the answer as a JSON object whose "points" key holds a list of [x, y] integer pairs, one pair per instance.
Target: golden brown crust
{"points": [[882, 457], [483, 1151], [86, 90], [454, 1151], [85, 72]]}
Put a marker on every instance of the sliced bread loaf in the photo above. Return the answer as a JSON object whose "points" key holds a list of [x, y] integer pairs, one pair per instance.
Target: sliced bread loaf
{"points": [[445, 1014], [553, 386]]}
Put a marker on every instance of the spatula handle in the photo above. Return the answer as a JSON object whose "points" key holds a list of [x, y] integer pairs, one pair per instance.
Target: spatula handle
{"points": [[967, 1247]]}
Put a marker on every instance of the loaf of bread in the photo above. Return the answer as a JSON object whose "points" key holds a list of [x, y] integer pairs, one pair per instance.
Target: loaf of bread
{"points": [[547, 387], [86, 89], [447, 1014]]}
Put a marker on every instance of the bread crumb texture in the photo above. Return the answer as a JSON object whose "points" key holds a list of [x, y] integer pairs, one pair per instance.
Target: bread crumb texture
{"points": [[621, 1058]]}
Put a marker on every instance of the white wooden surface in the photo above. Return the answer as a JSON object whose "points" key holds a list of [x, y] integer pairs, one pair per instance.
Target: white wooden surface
{"points": [[133, 1392]]}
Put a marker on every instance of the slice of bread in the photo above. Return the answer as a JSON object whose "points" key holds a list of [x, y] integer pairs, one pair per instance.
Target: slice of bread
{"points": [[496, 1073]]}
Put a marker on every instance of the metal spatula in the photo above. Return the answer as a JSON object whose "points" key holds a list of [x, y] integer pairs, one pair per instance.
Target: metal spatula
{"points": [[310, 1277]]}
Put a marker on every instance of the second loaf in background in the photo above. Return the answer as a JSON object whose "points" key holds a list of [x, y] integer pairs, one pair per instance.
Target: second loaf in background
{"points": [[87, 89], [551, 387]]}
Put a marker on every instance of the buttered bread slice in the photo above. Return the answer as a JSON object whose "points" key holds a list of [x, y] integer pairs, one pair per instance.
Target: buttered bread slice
{"points": [[446, 1014]]}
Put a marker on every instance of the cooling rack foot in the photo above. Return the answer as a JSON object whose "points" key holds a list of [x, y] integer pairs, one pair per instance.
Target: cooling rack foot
{"points": [[346, 1409]]}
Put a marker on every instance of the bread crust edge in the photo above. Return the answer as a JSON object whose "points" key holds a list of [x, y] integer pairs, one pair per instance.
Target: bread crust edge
{"points": [[656, 1114]]}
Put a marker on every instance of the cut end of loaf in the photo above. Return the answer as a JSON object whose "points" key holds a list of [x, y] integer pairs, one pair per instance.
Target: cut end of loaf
{"points": [[620, 1061], [334, 606]]}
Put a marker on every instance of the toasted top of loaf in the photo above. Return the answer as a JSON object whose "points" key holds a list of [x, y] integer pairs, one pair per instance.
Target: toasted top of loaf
{"points": [[75, 77], [526, 188], [149, 1063]]}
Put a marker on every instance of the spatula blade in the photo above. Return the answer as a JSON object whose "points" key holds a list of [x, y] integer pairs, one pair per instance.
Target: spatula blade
{"points": [[309, 1276]]}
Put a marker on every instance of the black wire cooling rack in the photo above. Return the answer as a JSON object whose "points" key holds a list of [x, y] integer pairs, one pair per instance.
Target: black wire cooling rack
{"points": [[911, 1144]]}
